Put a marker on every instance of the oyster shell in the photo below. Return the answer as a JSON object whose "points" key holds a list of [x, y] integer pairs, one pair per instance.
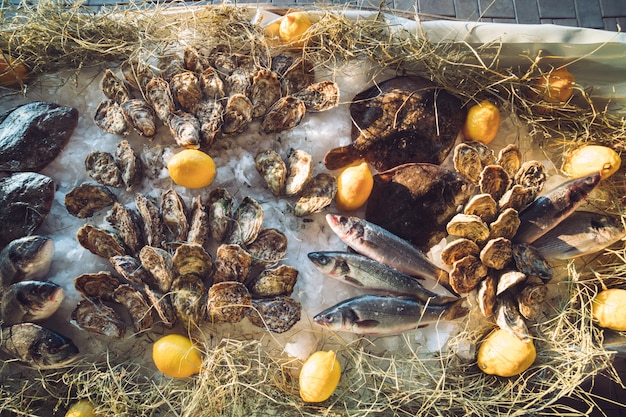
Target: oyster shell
{"points": [[509, 318], [100, 242], [196, 57], [318, 193], [299, 171], [136, 73], [130, 268], [232, 263], [187, 295], [99, 285], [247, 222], [237, 115], [276, 314], [96, 317], [269, 247], [274, 282], [457, 249], [174, 216], [265, 92], [466, 273], [532, 175], [140, 115], [199, 224], [129, 164], [170, 65], [191, 259], [220, 206], [529, 261], [186, 91], [211, 84], [272, 169], [137, 306], [110, 118], [128, 225], [114, 88], [468, 226], [295, 72], [286, 113], [238, 82], [159, 95], [483, 206], [494, 180], [516, 197], [487, 295], [467, 162], [151, 217], [530, 300], [508, 280], [159, 264], [210, 115], [505, 225], [510, 158], [162, 306], [87, 199], [320, 96], [101, 167], [228, 302], [185, 128], [497, 253]]}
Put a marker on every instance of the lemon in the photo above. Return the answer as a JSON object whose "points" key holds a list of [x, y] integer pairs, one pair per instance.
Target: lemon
{"points": [[272, 31], [354, 186], [12, 72], [590, 159], [191, 168], [175, 355], [82, 408], [319, 376], [482, 122], [293, 27], [608, 308], [557, 86], [503, 354]]}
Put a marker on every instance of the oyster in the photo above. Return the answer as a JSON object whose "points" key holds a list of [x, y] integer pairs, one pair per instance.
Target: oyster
{"points": [[529, 261], [275, 314], [162, 306], [199, 231], [237, 115], [299, 171], [494, 181], [210, 115], [151, 217], [274, 282], [466, 273], [114, 88], [98, 285], [174, 216], [211, 84], [530, 300], [510, 158], [320, 96], [238, 82], [247, 221], [272, 169], [87, 199], [220, 206], [128, 225], [505, 225], [228, 302], [100, 242], [318, 193], [186, 91], [110, 118], [509, 318], [137, 306], [467, 162], [131, 269], [468, 226], [159, 95], [169, 66], [457, 249], [191, 259], [483, 206], [140, 116], [294, 71], [516, 197], [232, 263], [286, 113], [508, 280], [136, 73], [487, 295], [187, 295], [497, 253], [269, 247], [196, 57], [265, 92], [129, 164], [532, 175], [101, 167], [185, 128], [96, 317], [159, 264]]}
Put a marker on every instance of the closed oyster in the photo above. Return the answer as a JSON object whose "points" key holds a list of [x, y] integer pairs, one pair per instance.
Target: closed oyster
{"points": [[316, 195], [495, 181], [497, 253], [274, 282], [509, 318], [232, 263], [466, 273], [137, 306], [185, 128], [320, 96], [483, 206], [129, 164], [100, 242], [468, 226], [187, 295], [97, 285], [285, 114], [110, 118], [130, 269], [169, 66], [265, 92], [269, 247], [199, 224], [160, 266], [174, 216], [295, 72], [151, 217], [101, 167], [467, 162], [237, 115], [186, 91], [191, 259], [159, 95], [128, 225], [222, 59], [457, 249], [532, 175], [238, 82], [220, 206], [505, 225], [529, 261], [210, 115], [228, 302], [272, 169], [162, 306], [510, 158], [140, 116], [87, 199], [517, 197], [508, 280], [530, 300], [136, 73], [487, 295], [196, 57], [211, 84], [247, 222], [114, 88], [299, 171], [276, 314], [95, 317]]}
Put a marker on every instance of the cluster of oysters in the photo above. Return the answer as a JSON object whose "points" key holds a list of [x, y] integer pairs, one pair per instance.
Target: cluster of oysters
{"points": [[212, 91], [509, 277]]}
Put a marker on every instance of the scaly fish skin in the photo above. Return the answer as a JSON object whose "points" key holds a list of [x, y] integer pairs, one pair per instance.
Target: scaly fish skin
{"points": [[30, 301], [379, 314], [362, 272], [582, 233], [550, 209], [26, 258]]}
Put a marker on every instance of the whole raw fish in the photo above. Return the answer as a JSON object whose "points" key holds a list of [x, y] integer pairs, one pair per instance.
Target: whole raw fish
{"points": [[37, 346], [379, 314], [379, 244], [26, 258], [363, 272], [30, 301], [582, 233], [550, 209]]}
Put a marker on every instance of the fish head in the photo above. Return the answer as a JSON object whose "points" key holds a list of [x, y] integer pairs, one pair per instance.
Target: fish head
{"points": [[347, 228], [580, 188], [321, 260], [345, 319], [607, 229], [32, 255], [53, 350], [40, 299]]}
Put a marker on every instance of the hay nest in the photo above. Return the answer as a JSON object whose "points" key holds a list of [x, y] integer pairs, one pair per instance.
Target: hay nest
{"points": [[255, 377]]}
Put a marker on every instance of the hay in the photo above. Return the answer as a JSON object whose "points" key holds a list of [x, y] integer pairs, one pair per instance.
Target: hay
{"points": [[254, 378]]}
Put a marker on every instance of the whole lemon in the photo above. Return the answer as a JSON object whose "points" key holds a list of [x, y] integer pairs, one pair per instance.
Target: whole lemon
{"points": [[590, 159], [82, 408], [319, 376], [482, 122], [557, 86], [354, 186], [175, 355], [12, 72], [293, 27], [503, 354], [608, 308], [192, 168]]}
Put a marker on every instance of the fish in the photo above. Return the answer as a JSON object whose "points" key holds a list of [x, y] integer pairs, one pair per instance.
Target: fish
{"points": [[545, 212], [30, 301], [381, 314], [38, 347], [379, 244], [26, 258], [363, 272], [582, 233]]}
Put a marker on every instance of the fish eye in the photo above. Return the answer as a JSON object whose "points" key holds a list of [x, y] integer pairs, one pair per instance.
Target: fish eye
{"points": [[323, 260]]}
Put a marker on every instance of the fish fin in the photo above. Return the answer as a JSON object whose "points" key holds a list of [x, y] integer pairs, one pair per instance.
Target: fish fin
{"points": [[367, 323], [340, 157], [352, 281]]}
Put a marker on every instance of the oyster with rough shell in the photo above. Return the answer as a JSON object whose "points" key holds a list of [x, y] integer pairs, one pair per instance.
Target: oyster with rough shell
{"points": [[129, 164], [286, 113], [138, 308], [99, 285], [266, 91], [220, 206], [93, 316], [188, 298], [228, 302], [128, 225], [186, 91], [101, 167], [87, 199], [272, 169], [237, 114], [210, 115], [100, 242], [274, 282], [110, 118], [299, 171], [211, 84], [191, 259], [174, 216], [114, 88], [185, 128], [269, 248], [275, 314], [247, 222], [159, 264], [232, 263], [320, 96], [140, 115], [318, 193], [159, 95]]}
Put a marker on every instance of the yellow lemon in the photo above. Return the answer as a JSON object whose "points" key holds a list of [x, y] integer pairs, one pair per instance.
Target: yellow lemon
{"points": [[175, 355], [503, 354], [293, 27], [12, 72], [590, 159], [191, 168], [82, 408], [482, 122], [319, 376], [272, 31], [557, 86], [608, 308], [354, 186]]}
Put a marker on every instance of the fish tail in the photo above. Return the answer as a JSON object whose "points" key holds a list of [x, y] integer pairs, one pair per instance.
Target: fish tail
{"points": [[456, 310]]}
